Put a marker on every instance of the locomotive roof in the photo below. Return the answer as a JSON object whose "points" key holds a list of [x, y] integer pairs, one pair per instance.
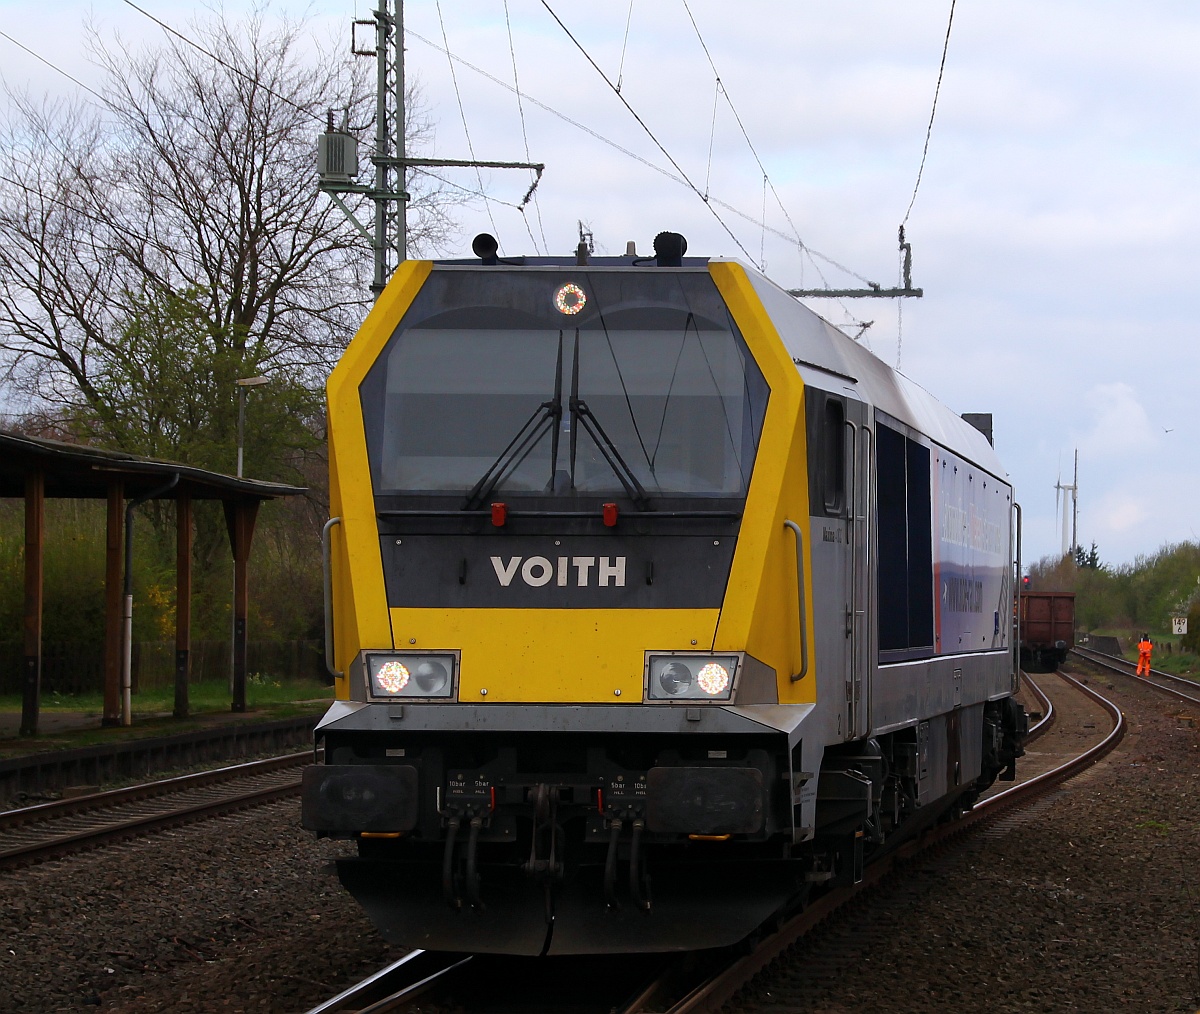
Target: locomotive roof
{"points": [[830, 359], [827, 357]]}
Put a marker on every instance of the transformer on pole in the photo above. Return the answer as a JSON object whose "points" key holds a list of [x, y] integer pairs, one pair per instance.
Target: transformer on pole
{"points": [[337, 151]]}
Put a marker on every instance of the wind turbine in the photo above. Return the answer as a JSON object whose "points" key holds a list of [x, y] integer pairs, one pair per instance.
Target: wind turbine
{"points": [[1061, 489]]}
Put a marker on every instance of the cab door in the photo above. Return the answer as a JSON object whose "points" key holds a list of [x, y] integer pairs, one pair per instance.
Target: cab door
{"points": [[859, 468], [840, 495]]}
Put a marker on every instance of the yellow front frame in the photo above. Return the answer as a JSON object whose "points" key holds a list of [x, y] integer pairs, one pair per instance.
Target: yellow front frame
{"points": [[580, 655]]}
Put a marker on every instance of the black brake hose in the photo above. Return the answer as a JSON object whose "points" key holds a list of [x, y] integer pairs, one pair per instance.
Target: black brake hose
{"points": [[642, 899], [610, 865], [448, 891], [472, 872]]}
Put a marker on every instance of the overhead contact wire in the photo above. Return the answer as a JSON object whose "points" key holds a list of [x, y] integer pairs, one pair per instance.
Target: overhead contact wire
{"points": [[512, 51], [750, 144], [932, 113], [546, 107], [463, 113], [228, 66], [649, 132]]}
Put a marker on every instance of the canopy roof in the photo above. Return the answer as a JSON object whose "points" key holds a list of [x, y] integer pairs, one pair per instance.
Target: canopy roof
{"points": [[75, 470]]}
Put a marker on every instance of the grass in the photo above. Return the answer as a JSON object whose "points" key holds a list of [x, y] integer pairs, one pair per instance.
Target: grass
{"points": [[261, 692], [1168, 654], [266, 699]]}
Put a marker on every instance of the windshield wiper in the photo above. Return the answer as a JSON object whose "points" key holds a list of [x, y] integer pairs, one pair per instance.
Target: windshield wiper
{"points": [[547, 414], [583, 416]]}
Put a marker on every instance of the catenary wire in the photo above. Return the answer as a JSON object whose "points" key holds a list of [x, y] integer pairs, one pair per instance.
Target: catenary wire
{"points": [[283, 98], [682, 178], [791, 238], [932, 113], [228, 66], [512, 51], [463, 113], [649, 132], [38, 56], [742, 127]]}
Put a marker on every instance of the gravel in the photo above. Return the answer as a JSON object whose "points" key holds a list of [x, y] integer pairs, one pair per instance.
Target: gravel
{"points": [[1087, 903], [239, 914]]}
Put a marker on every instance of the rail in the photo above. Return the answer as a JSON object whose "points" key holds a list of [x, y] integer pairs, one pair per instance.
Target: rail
{"points": [[1174, 684], [1043, 725], [725, 983], [35, 833]]}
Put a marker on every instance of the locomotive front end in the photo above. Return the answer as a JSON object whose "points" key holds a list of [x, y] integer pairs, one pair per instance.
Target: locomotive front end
{"points": [[567, 610]]}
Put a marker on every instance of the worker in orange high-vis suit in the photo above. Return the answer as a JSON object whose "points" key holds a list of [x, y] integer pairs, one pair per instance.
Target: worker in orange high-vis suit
{"points": [[1144, 649]]}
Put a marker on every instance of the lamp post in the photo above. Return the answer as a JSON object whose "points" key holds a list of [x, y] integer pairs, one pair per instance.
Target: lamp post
{"points": [[243, 385]]}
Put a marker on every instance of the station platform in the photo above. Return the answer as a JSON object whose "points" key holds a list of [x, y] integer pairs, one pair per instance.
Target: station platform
{"points": [[64, 730], [74, 748]]}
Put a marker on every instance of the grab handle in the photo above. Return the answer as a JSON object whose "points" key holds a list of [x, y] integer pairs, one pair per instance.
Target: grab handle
{"points": [[327, 567], [800, 597]]}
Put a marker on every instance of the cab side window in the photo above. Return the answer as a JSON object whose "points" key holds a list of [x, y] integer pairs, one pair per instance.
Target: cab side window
{"points": [[905, 547], [826, 419]]}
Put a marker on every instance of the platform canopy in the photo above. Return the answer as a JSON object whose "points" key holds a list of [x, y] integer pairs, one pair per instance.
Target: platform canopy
{"points": [[35, 468], [80, 472]]}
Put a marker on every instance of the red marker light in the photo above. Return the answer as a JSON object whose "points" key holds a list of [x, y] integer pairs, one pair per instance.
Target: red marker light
{"points": [[610, 515], [499, 514]]}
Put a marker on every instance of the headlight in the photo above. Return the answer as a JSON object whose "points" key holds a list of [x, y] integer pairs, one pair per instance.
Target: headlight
{"points": [[690, 677], [411, 675]]}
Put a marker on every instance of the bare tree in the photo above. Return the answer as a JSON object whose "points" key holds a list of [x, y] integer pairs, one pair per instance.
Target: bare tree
{"points": [[193, 185]]}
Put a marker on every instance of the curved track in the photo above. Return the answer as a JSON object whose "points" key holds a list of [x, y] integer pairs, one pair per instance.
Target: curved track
{"points": [[34, 833], [1176, 686], [1043, 724], [680, 986], [726, 983]]}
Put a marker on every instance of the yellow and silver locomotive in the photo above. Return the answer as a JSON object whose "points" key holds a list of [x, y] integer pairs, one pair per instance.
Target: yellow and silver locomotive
{"points": [[656, 603]]}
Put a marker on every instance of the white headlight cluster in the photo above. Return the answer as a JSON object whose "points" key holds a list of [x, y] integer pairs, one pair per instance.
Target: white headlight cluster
{"points": [[411, 674], [677, 677]]}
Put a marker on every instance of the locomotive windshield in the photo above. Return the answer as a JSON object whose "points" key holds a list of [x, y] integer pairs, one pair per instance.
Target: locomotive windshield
{"points": [[580, 383]]}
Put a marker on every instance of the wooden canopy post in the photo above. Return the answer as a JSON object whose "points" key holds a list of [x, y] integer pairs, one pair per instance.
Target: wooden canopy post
{"points": [[183, 601], [239, 517], [31, 676], [113, 544]]}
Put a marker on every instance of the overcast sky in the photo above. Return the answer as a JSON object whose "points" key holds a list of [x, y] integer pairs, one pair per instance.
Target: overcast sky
{"points": [[1056, 232]]}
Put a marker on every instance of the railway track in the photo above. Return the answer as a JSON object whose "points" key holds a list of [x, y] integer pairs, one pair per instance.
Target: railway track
{"points": [[1177, 686], [34, 833], [683, 986]]}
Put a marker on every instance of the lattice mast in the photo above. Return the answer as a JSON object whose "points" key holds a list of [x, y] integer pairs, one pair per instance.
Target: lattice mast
{"points": [[337, 150]]}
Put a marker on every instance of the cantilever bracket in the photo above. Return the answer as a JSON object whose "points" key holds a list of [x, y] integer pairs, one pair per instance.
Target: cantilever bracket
{"points": [[874, 288]]}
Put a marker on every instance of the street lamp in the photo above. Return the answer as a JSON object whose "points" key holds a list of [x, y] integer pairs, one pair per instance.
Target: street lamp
{"points": [[243, 385]]}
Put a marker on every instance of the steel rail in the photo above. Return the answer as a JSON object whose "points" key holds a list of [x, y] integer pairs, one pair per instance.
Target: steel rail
{"points": [[720, 988], [1048, 779], [1044, 724], [138, 826], [387, 979], [1105, 660], [148, 790]]}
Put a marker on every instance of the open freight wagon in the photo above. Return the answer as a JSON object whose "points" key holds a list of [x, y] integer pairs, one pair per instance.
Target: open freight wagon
{"points": [[1047, 629]]}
